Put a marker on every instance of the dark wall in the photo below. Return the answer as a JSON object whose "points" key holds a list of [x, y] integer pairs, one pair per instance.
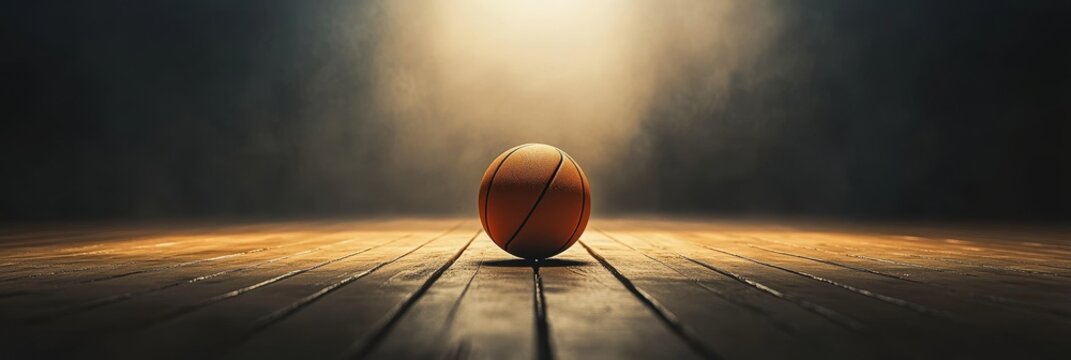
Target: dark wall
{"points": [[916, 109], [905, 108]]}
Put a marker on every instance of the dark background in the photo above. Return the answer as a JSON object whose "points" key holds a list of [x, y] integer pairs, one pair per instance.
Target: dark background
{"points": [[880, 109]]}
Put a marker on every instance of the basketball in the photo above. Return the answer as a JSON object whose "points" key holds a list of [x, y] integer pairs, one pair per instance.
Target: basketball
{"points": [[534, 201]]}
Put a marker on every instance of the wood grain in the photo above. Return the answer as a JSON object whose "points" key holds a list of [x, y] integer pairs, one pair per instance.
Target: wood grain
{"points": [[439, 288]]}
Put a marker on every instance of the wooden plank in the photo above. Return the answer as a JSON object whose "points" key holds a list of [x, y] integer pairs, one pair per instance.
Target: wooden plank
{"points": [[1014, 295], [592, 314], [89, 295], [148, 312], [980, 258], [125, 289], [633, 288], [48, 242], [495, 313], [735, 318], [317, 325], [111, 278], [895, 252], [931, 327], [161, 252], [117, 252], [481, 308]]}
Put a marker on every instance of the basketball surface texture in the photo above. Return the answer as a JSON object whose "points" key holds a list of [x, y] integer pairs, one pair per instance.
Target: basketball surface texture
{"points": [[534, 201]]}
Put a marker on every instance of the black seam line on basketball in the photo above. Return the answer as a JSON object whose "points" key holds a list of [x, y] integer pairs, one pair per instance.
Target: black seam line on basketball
{"points": [[130, 295], [583, 202], [487, 194], [766, 315], [918, 308], [661, 312], [452, 313], [561, 159], [234, 293], [989, 299], [544, 351], [364, 346]]}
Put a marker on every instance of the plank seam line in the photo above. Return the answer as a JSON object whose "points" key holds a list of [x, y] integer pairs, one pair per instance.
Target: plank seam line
{"points": [[280, 314], [991, 299], [780, 325], [827, 313], [450, 314], [561, 159], [166, 267], [544, 351], [943, 258], [881, 260], [200, 234], [1005, 269], [129, 273], [916, 307], [661, 312], [926, 239], [837, 264], [877, 259], [364, 346], [994, 267], [234, 293], [130, 295], [169, 267]]}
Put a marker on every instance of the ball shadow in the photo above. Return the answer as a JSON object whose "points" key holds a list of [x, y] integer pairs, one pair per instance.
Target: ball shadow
{"points": [[529, 263]]}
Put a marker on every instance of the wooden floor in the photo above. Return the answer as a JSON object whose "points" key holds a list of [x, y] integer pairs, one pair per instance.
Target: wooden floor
{"points": [[439, 288]]}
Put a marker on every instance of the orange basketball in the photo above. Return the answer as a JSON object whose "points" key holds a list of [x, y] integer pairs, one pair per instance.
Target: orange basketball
{"points": [[534, 201]]}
